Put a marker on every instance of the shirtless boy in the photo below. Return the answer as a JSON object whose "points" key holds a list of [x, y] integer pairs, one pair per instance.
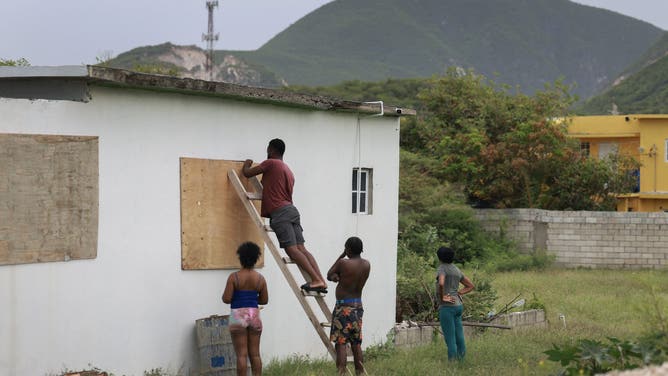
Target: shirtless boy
{"points": [[351, 274]]}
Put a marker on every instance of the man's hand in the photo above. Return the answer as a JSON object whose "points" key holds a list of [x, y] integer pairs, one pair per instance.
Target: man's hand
{"points": [[248, 170]]}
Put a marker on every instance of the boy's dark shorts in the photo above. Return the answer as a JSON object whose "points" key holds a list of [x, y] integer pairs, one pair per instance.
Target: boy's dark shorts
{"points": [[285, 223]]}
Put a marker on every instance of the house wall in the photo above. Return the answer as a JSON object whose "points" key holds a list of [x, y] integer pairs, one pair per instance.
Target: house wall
{"points": [[625, 145], [643, 137], [632, 203], [654, 133], [586, 239], [603, 126], [133, 308]]}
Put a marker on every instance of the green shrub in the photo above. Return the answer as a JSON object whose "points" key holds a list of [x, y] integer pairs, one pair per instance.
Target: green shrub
{"points": [[415, 287], [456, 227], [535, 303], [480, 301], [592, 357], [459, 229], [416, 290]]}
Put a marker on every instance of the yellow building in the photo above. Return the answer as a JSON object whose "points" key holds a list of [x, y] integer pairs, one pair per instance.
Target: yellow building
{"points": [[644, 137]]}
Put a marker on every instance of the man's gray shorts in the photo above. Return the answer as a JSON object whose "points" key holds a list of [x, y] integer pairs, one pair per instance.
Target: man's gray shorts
{"points": [[285, 223]]}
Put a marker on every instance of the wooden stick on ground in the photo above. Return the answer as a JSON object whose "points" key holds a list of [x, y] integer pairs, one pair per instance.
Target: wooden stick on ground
{"points": [[473, 323]]}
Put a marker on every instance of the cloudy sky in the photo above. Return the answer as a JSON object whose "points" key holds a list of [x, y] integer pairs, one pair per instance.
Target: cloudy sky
{"points": [[77, 31]]}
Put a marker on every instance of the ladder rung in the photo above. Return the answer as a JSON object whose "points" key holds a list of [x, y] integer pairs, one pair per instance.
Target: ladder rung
{"points": [[326, 324], [287, 260], [254, 196], [350, 358]]}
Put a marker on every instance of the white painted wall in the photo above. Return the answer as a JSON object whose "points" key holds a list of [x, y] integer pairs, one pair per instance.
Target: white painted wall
{"points": [[133, 308]]}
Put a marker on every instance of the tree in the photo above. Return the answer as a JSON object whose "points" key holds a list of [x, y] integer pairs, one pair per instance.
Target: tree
{"points": [[104, 58], [21, 62], [511, 150]]}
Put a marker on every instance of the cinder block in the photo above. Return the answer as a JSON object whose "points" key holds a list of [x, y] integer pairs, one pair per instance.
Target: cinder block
{"points": [[414, 335], [427, 334], [401, 338]]}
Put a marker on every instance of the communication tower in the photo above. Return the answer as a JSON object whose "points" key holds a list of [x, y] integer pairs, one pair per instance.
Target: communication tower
{"points": [[210, 37]]}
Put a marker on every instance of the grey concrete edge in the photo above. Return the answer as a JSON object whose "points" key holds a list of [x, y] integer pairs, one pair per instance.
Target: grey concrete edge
{"points": [[114, 77]]}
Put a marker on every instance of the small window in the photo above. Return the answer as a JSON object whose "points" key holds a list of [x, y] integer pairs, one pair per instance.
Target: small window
{"points": [[584, 148], [362, 190], [607, 149]]}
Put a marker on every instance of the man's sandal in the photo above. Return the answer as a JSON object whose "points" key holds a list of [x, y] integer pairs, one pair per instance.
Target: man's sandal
{"points": [[307, 288]]}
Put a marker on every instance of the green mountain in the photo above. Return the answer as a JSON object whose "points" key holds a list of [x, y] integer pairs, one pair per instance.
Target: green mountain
{"points": [[641, 89], [527, 43], [520, 42]]}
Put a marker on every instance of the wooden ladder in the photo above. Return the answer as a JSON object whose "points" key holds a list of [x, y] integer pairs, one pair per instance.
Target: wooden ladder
{"points": [[282, 262]]}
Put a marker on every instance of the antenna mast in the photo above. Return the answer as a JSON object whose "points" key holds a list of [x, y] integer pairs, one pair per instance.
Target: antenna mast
{"points": [[210, 37]]}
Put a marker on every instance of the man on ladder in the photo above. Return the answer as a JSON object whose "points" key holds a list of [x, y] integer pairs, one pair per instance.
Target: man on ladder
{"points": [[284, 219]]}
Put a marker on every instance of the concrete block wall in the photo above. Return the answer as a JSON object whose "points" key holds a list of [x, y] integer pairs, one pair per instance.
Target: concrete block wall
{"points": [[534, 318], [586, 239], [412, 336]]}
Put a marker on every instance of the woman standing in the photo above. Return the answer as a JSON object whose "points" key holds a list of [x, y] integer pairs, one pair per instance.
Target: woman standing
{"points": [[450, 309], [244, 290]]}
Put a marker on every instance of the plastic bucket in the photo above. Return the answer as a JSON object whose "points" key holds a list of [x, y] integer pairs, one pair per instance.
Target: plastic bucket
{"points": [[216, 352]]}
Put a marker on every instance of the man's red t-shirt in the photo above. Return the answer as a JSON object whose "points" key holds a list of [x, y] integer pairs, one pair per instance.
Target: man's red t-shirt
{"points": [[277, 182]]}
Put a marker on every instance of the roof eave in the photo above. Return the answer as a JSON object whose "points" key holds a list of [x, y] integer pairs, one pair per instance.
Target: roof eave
{"points": [[124, 78], [114, 77]]}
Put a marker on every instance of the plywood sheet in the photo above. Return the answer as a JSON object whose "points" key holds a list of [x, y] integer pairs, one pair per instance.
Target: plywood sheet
{"points": [[213, 219], [48, 198]]}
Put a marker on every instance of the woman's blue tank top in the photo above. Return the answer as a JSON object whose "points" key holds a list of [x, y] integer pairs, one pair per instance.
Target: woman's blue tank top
{"points": [[244, 298]]}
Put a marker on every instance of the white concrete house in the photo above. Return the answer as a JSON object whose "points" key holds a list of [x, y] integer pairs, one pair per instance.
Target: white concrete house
{"points": [[129, 306]]}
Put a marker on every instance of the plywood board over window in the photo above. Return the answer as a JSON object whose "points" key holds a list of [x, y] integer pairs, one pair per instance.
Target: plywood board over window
{"points": [[48, 198], [213, 219]]}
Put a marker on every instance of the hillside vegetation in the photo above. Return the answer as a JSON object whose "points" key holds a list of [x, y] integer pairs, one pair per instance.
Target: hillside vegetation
{"points": [[526, 42], [189, 61], [642, 89]]}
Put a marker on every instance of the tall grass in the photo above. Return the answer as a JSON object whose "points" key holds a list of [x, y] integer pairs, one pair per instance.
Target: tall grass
{"points": [[595, 303]]}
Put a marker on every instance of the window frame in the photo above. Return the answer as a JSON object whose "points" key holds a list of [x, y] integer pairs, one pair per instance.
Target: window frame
{"points": [[585, 148], [362, 177]]}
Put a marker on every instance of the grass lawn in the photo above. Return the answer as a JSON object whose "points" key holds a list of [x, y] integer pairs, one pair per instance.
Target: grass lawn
{"points": [[595, 303]]}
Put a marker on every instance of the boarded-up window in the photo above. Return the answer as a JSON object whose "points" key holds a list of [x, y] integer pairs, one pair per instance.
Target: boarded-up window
{"points": [[48, 198], [213, 219]]}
